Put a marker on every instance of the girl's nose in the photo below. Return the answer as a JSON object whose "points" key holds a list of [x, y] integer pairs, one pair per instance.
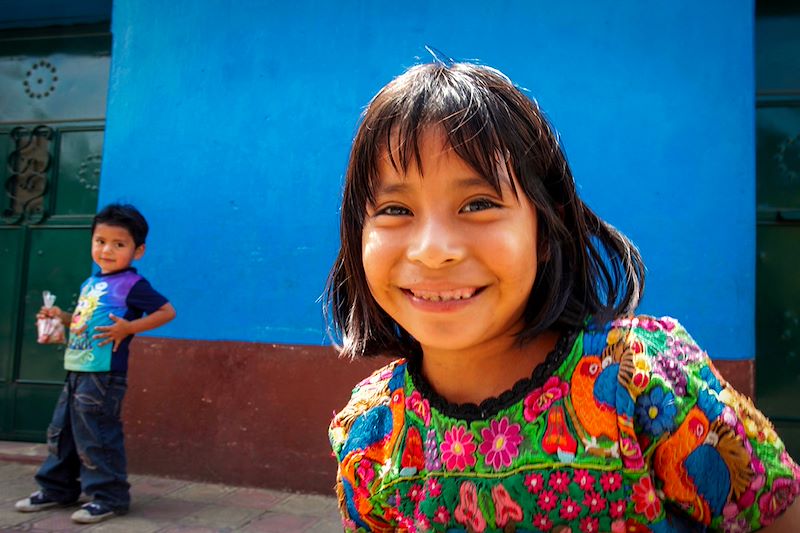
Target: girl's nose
{"points": [[436, 243]]}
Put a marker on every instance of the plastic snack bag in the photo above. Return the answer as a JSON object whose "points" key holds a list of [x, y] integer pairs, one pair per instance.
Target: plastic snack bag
{"points": [[50, 330]]}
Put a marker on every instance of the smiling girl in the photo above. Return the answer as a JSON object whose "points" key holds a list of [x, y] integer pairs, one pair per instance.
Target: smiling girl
{"points": [[526, 396]]}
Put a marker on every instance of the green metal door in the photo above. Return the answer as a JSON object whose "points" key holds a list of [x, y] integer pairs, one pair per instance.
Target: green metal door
{"points": [[778, 217], [52, 119]]}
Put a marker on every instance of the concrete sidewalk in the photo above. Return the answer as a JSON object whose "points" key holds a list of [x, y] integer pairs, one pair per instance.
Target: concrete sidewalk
{"points": [[166, 505]]}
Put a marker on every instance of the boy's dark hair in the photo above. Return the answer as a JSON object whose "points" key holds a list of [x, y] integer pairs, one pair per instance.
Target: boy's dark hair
{"points": [[586, 267], [125, 216]]}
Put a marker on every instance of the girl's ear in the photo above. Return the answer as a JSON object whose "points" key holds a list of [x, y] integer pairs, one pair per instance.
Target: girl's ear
{"points": [[139, 252]]}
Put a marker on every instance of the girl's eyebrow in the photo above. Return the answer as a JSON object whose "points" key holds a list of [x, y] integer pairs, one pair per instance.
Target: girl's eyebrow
{"points": [[461, 183]]}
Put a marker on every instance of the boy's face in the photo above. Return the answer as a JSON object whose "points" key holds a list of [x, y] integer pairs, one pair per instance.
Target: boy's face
{"points": [[113, 248]]}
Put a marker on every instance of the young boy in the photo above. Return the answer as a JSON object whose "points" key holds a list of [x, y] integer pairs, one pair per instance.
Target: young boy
{"points": [[85, 440]]}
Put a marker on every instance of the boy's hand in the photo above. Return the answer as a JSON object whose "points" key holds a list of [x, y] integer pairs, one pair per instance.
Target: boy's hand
{"points": [[49, 312], [115, 333]]}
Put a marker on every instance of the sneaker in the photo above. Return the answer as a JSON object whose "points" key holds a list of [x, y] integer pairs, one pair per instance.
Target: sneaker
{"points": [[38, 502], [92, 513]]}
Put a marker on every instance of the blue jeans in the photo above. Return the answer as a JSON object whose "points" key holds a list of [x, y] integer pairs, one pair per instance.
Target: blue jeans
{"points": [[85, 441]]}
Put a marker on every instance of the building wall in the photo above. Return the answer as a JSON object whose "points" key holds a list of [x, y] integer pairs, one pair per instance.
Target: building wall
{"points": [[229, 125]]}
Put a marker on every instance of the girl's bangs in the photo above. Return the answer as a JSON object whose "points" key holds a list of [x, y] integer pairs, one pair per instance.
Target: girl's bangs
{"points": [[462, 109]]}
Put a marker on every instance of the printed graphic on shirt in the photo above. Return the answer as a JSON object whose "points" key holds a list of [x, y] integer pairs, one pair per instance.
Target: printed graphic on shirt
{"points": [[100, 296]]}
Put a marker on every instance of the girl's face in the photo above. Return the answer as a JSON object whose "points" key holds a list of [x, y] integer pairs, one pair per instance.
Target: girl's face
{"points": [[447, 257]]}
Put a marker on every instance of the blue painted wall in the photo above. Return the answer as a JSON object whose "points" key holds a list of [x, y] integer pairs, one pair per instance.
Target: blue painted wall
{"points": [[230, 127]]}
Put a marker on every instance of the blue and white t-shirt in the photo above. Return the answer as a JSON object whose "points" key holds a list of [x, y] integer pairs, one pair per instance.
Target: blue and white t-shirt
{"points": [[126, 294]]}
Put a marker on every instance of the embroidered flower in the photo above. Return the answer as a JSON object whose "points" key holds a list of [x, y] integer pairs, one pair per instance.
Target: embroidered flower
{"points": [[736, 525], [458, 450], [584, 479], [416, 493], [776, 500], [432, 461], [631, 453], [500, 443], [434, 487], [611, 481], [412, 454], [617, 508], [442, 515], [547, 500], [467, 512], [590, 524], [365, 471], [421, 521], [570, 509], [406, 524], [420, 407], [543, 397], [542, 522], [645, 499], [671, 371], [656, 411], [534, 482], [506, 509], [559, 480], [594, 501]]}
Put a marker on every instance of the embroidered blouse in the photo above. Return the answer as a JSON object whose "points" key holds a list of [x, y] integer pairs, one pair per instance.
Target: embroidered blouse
{"points": [[625, 427]]}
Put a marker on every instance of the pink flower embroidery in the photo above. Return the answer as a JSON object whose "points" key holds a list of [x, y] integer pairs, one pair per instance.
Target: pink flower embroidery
{"points": [[434, 487], [590, 524], [500, 443], [421, 521], [584, 479], [468, 512], [542, 522], [559, 480], [442, 515], [534, 483], [611, 481], [631, 453], [416, 493], [617, 509], [594, 501], [547, 500], [365, 471], [773, 503], [420, 407], [569, 509], [506, 509], [458, 450], [543, 397]]}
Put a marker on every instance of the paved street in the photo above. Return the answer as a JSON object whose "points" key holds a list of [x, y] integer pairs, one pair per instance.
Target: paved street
{"points": [[166, 505]]}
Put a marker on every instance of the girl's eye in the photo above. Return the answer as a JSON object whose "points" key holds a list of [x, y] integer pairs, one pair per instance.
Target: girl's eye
{"points": [[120, 245], [481, 204], [393, 211]]}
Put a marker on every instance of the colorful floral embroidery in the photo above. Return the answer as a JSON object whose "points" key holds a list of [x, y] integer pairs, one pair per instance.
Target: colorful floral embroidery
{"points": [[500, 443], [420, 407], [432, 462], [458, 450], [542, 398], [467, 512], [656, 411], [645, 499], [617, 438]]}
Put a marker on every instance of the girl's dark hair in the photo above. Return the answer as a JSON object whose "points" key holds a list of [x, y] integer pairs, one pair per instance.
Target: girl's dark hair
{"points": [[586, 267], [125, 216]]}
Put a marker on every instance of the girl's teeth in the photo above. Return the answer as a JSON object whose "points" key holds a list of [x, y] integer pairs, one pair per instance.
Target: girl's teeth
{"points": [[459, 294]]}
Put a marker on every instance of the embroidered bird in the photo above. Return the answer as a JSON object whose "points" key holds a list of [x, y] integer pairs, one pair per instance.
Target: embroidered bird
{"points": [[592, 390], [702, 464], [370, 437]]}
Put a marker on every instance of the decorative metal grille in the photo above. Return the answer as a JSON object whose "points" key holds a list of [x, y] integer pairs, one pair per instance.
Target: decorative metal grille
{"points": [[28, 167]]}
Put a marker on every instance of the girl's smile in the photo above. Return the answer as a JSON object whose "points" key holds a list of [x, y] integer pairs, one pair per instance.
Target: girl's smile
{"points": [[448, 257]]}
